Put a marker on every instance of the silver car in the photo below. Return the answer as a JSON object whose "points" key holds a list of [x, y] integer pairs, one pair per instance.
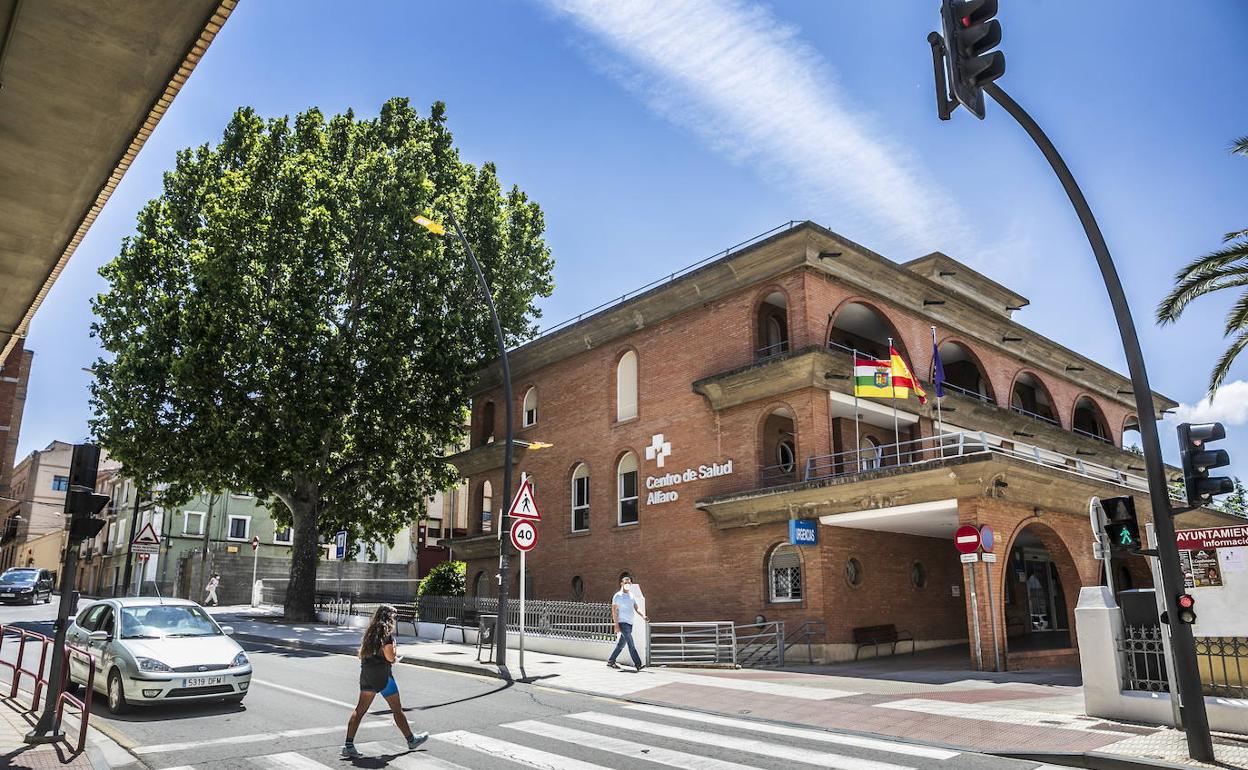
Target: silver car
{"points": [[149, 650]]}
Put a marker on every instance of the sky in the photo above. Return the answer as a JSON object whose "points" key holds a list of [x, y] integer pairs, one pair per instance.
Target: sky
{"points": [[656, 133]]}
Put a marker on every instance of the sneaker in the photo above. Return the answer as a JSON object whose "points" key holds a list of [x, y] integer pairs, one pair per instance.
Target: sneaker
{"points": [[612, 664], [414, 741], [640, 667], [351, 752]]}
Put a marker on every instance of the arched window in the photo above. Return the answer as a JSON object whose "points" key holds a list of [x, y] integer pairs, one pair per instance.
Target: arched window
{"points": [[862, 328], [778, 441], [784, 569], [773, 326], [478, 584], [962, 372], [578, 588], [487, 507], [626, 387], [626, 475], [1031, 398], [1132, 441], [530, 407], [868, 454], [1088, 420], [487, 424], [580, 498]]}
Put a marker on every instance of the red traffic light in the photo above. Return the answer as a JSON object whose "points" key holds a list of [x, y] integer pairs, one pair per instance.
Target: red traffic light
{"points": [[1186, 601]]}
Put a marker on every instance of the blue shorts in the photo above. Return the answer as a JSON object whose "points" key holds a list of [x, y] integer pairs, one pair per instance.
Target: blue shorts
{"points": [[391, 688]]}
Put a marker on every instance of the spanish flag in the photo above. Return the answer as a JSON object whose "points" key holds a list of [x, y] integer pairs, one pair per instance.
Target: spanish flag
{"points": [[903, 380]]}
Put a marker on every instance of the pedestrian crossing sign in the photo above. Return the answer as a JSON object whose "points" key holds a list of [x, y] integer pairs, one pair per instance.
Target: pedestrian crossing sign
{"points": [[525, 504]]}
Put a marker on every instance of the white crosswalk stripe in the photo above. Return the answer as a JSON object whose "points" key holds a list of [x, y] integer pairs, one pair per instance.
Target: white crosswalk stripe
{"points": [[927, 752], [399, 757], [735, 743], [515, 752], [288, 760], [625, 748], [304, 732]]}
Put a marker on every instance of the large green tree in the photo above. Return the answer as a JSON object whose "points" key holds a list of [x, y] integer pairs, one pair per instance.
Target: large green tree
{"points": [[278, 323], [1226, 268]]}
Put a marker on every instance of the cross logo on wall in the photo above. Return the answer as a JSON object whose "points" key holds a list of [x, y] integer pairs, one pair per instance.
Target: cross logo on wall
{"points": [[658, 449]]}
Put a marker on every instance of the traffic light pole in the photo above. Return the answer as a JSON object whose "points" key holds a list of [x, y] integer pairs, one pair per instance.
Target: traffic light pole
{"points": [[504, 540], [1195, 720]]}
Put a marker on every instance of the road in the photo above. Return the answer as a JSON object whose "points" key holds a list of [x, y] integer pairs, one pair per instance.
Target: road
{"points": [[295, 715]]}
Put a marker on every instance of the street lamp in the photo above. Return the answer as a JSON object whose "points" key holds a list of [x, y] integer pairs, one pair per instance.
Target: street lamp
{"points": [[500, 622]]}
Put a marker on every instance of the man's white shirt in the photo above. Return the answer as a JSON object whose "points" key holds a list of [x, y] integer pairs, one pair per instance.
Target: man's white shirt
{"points": [[625, 606]]}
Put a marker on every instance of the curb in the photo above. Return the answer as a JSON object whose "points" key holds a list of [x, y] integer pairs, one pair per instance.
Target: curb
{"points": [[1092, 760]]}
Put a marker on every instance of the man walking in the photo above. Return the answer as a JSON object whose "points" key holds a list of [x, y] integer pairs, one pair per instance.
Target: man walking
{"points": [[623, 609]]}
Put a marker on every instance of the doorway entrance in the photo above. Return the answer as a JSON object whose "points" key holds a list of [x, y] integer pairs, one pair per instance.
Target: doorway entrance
{"points": [[1035, 598]]}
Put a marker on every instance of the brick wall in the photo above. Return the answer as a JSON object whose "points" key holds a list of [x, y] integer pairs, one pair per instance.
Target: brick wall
{"points": [[14, 378]]}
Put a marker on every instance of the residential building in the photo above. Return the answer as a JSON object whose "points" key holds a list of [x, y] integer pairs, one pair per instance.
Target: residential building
{"points": [[692, 422]]}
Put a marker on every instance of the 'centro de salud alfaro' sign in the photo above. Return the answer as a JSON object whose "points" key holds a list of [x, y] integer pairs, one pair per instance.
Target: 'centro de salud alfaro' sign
{"points": [[658, 484]]}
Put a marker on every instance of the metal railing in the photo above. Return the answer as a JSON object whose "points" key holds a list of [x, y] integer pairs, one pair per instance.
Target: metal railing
{"points": [[554, 619], [23, 666], [19, 666], [975, 394], [809, 631], [1143, 652], [930, 449], [83, 704], [1223, 662], [772, 350], [1034, 416], [1091, 435], [709, 643], [760, 644], [777, 475]]}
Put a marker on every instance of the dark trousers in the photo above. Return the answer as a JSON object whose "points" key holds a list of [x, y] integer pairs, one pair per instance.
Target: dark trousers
{"points": [[626, 637]]}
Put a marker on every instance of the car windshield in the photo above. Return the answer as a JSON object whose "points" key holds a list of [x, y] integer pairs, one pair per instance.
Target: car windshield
{"points": [[19, 576], [165, 621]]}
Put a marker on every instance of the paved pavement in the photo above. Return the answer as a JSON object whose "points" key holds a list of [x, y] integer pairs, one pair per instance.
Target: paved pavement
{"points": [[989, 714], [294, 717]]}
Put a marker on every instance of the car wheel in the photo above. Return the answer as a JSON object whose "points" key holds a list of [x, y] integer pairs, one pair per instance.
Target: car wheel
{"points": [[48, 599], [34, 598], [116, 694]]}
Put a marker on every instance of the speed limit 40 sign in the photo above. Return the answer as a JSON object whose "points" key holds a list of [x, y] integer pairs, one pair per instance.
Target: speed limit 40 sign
{"points": [[523, 534]]}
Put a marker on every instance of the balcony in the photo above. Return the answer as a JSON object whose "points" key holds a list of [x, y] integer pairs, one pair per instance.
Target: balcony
{"points": [[483, 546], [485, 458]]}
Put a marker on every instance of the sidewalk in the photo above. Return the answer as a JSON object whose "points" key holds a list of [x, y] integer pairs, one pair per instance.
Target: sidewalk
{"points": [[16, 753], [1038, 721]]}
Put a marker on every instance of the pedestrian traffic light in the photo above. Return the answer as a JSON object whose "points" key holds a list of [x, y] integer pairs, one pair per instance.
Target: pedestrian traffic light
{"points": [[1121, 525], [1197, 459], [1186, 608], [970, 34]]}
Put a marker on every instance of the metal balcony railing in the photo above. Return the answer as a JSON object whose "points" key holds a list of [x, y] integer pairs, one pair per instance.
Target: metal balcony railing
{"points": [[1034, 416], [772, 350], [1092, 435]]}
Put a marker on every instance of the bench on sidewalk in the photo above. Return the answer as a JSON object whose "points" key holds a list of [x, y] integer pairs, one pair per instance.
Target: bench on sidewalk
{"points": [[469, 620], [405, 613], [868, 636]]}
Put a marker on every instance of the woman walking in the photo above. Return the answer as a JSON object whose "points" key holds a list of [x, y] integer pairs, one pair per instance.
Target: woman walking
{"points": [[377, 655]]}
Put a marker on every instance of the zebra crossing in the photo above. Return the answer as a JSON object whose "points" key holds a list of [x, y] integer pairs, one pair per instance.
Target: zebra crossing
{"points": [[637, 736]]}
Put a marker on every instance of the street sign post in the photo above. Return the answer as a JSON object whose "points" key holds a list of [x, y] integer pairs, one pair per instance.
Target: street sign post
{"points": [[255, 557], [967, 540], [987, 539], [525, 504], [524, 512], [340, 554], [523, 535]]}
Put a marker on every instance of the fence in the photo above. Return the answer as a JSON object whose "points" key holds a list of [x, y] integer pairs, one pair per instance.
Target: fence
{"points": [[361, 591], [558, 620], [23, 666], [760, 644], [712, 643], [1221, 661]]}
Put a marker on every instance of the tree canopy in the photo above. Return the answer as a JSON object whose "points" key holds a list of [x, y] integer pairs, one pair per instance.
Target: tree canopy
{"points": [[278, 323]]}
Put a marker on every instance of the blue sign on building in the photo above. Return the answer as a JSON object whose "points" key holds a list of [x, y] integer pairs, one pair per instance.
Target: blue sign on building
{"points": [[803, 531]]}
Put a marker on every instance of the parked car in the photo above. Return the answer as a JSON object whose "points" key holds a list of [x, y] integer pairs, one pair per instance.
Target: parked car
{"points": [[25, 585], [150, 650]]}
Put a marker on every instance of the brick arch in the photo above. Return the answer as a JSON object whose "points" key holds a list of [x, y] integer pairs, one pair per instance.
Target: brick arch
{"points": [[975, 359], [898, 340], [525, 390], [1130, 419], [760, 299], [1062, 554], [1058, 413], [487, 422], [763, 458], [568, 477], [768, 552], [1099, 413]]}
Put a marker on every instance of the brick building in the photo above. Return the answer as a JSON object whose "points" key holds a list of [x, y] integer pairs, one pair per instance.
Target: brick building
{"points": [[693, 421]]}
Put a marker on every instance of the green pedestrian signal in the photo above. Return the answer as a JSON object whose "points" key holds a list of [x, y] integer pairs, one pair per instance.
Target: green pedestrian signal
{"points": [[1121, 525], [1124, 537]]}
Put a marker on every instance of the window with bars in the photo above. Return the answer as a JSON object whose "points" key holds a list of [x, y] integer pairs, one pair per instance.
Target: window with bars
{"points": [[785, 569], [580, 498]]}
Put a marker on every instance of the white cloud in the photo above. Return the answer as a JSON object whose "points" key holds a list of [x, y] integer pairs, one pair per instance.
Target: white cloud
{"points": [[1229, 406], [756, 93]]}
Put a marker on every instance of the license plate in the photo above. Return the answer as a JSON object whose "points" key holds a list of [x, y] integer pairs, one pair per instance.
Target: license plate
{"points": [[203, 681], [7, 596]]}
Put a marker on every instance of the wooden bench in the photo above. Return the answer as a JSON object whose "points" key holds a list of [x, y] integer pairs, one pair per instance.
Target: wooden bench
{"points": [[868, 636], [406, 613], [469, 620]]}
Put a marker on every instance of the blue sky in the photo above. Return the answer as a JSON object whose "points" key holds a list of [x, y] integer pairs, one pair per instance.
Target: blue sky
{"points": [[657, 133]]}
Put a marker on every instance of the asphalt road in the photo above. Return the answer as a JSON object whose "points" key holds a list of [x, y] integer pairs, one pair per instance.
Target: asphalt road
{"points": [[295, 716]]}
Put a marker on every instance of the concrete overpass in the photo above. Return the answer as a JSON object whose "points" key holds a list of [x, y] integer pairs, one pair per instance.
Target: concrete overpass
{"points": [[82, 86]]}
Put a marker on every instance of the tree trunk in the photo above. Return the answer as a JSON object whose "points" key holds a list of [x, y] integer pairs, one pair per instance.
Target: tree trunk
{"points": [[305, 552]]}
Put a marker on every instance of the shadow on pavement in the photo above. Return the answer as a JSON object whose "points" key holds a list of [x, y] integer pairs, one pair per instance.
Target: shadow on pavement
{"points": [[168, 711], [943, 665], [500, 688]]}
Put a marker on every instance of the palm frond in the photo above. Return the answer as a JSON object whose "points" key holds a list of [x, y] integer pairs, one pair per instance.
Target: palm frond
{"points": [[1234, 236], [1237, 317], [1240, 146], [1197, 285], [1223, 367], [1214, 260]]}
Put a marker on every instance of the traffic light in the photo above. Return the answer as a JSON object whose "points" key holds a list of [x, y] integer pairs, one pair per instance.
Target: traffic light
{"points": [[1185, 608], [970, 34], [83, 507], [1121, 525], [1197, 459], [84, 465]]}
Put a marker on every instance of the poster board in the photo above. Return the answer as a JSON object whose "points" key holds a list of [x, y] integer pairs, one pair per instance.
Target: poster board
{"points": [[1214, 562]]}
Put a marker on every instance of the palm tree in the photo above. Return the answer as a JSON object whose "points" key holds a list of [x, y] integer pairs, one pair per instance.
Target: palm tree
{"points": [[1225, 268]]}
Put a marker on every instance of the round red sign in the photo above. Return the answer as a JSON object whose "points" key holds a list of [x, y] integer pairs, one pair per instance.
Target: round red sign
{"points": [[966, 539], [523, 534]]}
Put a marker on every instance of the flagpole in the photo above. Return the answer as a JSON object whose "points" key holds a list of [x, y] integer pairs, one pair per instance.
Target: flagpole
{"points": [[940, 432], [857, 438], [893, 389]]}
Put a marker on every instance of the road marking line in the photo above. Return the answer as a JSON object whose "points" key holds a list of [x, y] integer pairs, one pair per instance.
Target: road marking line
{"points": [[402, 758], [515, 752], [297, 691], [774, 750], [288, 760], [928, 752], [162, 748], [626, 748]]}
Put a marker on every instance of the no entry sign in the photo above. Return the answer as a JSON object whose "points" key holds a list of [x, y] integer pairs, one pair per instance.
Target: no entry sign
{"points": [[966, 539]]}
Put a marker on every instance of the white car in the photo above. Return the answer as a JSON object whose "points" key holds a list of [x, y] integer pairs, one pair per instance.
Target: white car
{"points": [[149, 650]]}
